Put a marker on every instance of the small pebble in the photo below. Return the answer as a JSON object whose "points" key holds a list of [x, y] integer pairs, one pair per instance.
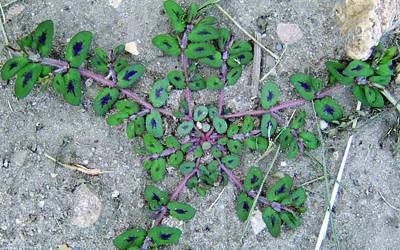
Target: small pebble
{"points": [[279, 47], [283, 164], [323, 124]]}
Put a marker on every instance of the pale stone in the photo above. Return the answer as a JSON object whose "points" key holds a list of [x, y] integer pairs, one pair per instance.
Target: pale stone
{"points": [[115, 3], [257, 222], [132, 48], [87, 207], [289, 33]]}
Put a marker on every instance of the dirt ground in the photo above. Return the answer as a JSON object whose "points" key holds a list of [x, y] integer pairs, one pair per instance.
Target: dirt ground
{"points": [[38, 198]]}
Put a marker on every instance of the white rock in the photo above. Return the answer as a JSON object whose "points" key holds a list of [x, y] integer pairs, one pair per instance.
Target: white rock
{"points": [[257, 222], [87, 207], [289, 33], [132, 48]]}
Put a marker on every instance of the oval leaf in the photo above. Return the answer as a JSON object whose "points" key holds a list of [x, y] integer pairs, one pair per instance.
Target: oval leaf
{"points": [[154, 124], [328, 109], [224, 35], [104, 100], [290, 219], [159, 93], [152, 145], [185, 127], [296, 199], [158, 169], [358, 68], [253, 179], [99, 64], [309, 139], [299, 121], [59, 84], [203, 33], [127, 107], [197, 85], [336, 69], [385, 69], [286, 138], [248, 124], [153, 194], [281, 189], [256, 143], [164, 235], [269, 95], [240, 59], [139, 125], [167, 44], [120, 64], [44, 37], [176, 159], [177, 79], [293, 149], [220, 125], [303, 85], [12, 67], [214, 60], [200, 113], [240, 47], [73, 87], [187, 167], [233, 76], [381, 80], [26, 79], [199, 50], [244, 205], [130, 130], [181, 211], [176, 14], [230, 161], [78, 48], [235, 147], [272, 220], [129, 75], [133, 237], [116, 119], [268, 125]]}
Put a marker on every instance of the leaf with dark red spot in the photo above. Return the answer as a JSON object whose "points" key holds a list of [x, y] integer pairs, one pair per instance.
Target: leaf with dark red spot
{"points": [[102, 54], [117, 118], [197, 85], [293, 149], [78, 48], [220, 125], [244, 205], [207, 21], [269, 95], [129, 75], [233, 76], [181, 211], [159, 93], [203, 33], [199, 50], [152, 193], [185, 127], [59, 84], [235, 146], [214, 60], [200, 113], [120, 64], [72, 82], [248, 124], [167, 44], [385, 69], [176, 159], [381, 80], [224, 35], [309, 140], [99, 64], [26, 79], [104, 100], [336, 69], [177, 79], [290, 219], [303, 85], [253, 179], [154, 124], [358, 68], [286, 138], [139, 125], [240, 59], [268, 125], [187, 167], [127, 107], [272, 220], [240, 47], [133, 237], [176, 14], [299, 121], [328, 109], [118, 51], [281, 189], [12, 67], [44, 37], [164, 235], [230, 161], [158, 168], [296, 198]]}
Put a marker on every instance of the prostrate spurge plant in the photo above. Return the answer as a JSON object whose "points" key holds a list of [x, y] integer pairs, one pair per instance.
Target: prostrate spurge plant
{"points": [[205, 130]]}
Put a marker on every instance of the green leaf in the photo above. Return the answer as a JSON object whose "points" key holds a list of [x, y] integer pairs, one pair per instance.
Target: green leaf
{"points": [[293, 149], [99, 64], [268, 125], [130, 130], [177, 79], [118, 51], [117, 118], [240, 47], [212, 112], [256, 143], [26, 79], [59, 84], [358, 68], [167, 44], [192, 182], [78, 48], [381, 80], [176, 14], [309, 139], [205, 6], [233, 129], [46, 70], [214, 60], [385, 69], [127, 107], [328, 109], [244, 205], [186, 147], [272, 220], [220, 125], [369, 94], [235, 147], [290, 219], [359, 94], [201, 191], [12, 67], [208, 21], [389, 53], [269, 95], [299, 121], [296, 198], [44, 37], [253, 179], [104, 100], [181, 211], [286, 138], [230, 161], [73, 87], [336, 69], [176, 159], [224, 35], [102, 54], [223, 141], [185, 127], [203, 33], [200, 113], [120, 64], [159, 93], [216, 152], [133, 237], [199, 50], [317, 84], [152, 193], [198, 152], [248, 124], [154, 124], [303, 85], [197, 85], [374, 98], [240, 59], [172, 142], [129, 75], [139, 125], [151, 144], [281, 189], [187, 167], [233, 76], [158, 169], [146, 164], [26, 42]]}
